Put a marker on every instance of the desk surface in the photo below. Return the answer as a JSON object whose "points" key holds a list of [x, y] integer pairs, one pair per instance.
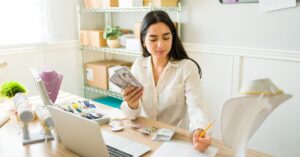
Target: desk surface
{"points": [[11, 140]]}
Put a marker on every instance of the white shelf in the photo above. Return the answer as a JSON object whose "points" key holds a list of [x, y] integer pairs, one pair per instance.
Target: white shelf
{"points": [[103, 92], [131, 9], [121, 51]]}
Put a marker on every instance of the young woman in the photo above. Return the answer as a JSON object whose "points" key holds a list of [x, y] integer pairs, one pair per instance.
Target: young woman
{"points": [[170, 79]]}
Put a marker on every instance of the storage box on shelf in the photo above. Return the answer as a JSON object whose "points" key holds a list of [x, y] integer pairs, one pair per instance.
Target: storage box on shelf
{"points": [[133, 44], [84, 38], [92, 38], [93, 3], [110, 3], [165, 3], [161, 3], [108, 9], [124, 37], [97, 72], [130, 3]]}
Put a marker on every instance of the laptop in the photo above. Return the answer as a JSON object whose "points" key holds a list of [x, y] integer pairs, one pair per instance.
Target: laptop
{"points": [[84, 136]]}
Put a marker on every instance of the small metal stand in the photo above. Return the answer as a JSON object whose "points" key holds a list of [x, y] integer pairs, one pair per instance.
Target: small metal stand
{"points": [[35, 137]]}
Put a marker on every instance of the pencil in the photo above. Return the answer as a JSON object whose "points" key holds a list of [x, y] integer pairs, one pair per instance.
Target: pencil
{"points": [[205, 130]]}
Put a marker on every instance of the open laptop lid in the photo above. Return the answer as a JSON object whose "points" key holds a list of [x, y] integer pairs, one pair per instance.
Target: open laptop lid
{"points": [[40, 86], [79, 134]]}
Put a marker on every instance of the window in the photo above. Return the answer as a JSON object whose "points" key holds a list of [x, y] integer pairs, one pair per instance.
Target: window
{"points": [[22, 22]]}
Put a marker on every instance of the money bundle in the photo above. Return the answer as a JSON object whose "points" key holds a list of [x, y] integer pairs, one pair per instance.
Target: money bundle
{"points": [[164, 134], [124, 78]]}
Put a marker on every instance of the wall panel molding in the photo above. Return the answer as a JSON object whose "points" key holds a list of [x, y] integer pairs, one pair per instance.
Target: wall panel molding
{"points": [[62, 45], [39, 47], [287, 55]]}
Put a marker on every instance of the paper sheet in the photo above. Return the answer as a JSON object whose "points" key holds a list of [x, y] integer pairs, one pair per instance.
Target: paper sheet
{"points": [[112, 113], [269, 5], [182, 149]]}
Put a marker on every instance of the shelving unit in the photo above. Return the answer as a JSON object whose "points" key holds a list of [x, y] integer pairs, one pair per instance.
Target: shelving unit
{"points": [[132, 9], [119, 51], [103, 92]]}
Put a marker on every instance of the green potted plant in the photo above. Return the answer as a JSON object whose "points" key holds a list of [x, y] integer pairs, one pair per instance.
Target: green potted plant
{"points": [[112, 34], [9, 90]]}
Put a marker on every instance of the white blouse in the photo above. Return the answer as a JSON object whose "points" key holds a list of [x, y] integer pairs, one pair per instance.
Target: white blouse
{"points": [[176, 96]]}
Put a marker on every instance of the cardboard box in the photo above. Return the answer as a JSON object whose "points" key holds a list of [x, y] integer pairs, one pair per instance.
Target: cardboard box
{"points": [[110, 3], [95, 38], [84, 38], [161, 3], [130, 3], [93, 3], [146, 2], [97, 72], [126, 31], [92, 38], [165, 3]]}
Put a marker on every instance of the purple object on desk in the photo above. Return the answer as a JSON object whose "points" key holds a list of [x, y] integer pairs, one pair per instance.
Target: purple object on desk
{"points": [[52, 81]]}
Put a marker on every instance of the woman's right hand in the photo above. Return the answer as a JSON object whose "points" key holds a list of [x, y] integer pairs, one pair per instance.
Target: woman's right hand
{"points": [[132, 95]]}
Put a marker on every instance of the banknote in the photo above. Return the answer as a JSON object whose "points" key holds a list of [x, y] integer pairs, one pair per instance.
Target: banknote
{"points": [[164, 134], [124, 78], [116, 79]]}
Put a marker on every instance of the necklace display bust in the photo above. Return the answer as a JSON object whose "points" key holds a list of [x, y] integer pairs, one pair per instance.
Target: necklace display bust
{"points": [[52, 81]]}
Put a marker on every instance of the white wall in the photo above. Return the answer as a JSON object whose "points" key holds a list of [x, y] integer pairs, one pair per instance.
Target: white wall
{"points": [[60, 52], [62, 19], [224, 69], [232, 43], [238, 43], [62, 56], [240, 25]]}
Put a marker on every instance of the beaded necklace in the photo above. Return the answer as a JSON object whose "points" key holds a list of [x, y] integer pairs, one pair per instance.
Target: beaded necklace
{"points": [[51, 85]]}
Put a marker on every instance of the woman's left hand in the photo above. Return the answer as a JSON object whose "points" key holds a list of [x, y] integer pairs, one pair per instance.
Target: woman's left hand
{"points": [[201, 143]]}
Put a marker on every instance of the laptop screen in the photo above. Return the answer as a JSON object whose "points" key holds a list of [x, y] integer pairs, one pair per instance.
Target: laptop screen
{"points": [[40, 86]]}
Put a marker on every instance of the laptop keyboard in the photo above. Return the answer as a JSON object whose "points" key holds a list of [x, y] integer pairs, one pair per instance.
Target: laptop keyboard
{"points": [[113, 152]]}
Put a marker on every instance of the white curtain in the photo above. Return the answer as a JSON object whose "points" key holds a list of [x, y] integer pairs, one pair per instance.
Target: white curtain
{"points": [[22, 22]]}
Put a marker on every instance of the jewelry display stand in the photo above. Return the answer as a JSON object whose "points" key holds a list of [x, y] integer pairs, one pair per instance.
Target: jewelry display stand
{"points": [[37, 136]]}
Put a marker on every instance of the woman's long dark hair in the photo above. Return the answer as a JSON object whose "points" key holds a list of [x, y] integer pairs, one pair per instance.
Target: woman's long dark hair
{"points": [[177, 51]]}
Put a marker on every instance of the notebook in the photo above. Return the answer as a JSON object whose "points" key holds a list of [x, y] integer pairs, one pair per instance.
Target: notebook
{"points": [[182, 149]]}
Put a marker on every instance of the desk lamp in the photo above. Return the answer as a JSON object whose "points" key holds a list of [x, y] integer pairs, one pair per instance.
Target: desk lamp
{"points": [[243, 114]]}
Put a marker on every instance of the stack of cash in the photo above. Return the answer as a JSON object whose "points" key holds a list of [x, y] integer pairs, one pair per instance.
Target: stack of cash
{"points": [[123, 78], [164, 134]]}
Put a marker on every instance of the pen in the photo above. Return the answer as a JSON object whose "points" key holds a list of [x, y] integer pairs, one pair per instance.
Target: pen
{"points": [[204, 131]]}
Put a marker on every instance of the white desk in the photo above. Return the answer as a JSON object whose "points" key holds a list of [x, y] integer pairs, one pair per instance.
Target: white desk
{"points": [[11, 139]]}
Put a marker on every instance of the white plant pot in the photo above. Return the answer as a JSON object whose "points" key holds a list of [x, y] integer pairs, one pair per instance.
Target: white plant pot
{"points": [[113, 43]]}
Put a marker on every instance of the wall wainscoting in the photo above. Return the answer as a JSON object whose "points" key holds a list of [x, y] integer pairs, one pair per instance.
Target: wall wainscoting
{"points": [[62, 56], [224, 71]]}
